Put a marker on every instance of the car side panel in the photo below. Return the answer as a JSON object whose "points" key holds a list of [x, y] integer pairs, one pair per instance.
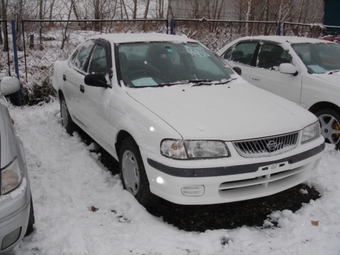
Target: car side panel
{"points": [[71, 90], [314, 92], [96, 103], [285, 85], [246, 69]]}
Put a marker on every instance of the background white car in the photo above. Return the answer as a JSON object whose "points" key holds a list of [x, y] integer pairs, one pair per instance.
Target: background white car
{"points": [[16, 206], [303, 70], [181, 123]]}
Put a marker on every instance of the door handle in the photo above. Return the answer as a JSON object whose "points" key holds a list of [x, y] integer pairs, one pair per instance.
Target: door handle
{"points": [[255, 78], [64, 77], [82, 88]]}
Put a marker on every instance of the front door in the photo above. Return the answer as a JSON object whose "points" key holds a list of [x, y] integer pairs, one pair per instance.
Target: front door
{"points": [[266, 73]]}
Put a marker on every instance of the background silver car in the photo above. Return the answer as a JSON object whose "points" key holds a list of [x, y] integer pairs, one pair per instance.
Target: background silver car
{"points": [[16, 207]]}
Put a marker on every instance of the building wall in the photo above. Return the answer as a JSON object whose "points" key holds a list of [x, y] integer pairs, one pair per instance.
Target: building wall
{"points": [[332, 12]]}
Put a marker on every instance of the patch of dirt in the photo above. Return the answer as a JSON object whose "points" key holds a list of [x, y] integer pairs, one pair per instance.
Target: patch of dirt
{"points": [[232, 215]]}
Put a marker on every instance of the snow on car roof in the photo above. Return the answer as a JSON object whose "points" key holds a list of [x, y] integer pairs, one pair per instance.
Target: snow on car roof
{"points": [[282, 39], [142, 37]]}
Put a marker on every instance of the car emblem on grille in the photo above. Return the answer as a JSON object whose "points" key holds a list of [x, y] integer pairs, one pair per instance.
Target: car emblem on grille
{"points": [[272, 145]]}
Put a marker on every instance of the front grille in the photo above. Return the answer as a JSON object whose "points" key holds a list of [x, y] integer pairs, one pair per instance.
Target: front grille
{"points": [[266, 147]]}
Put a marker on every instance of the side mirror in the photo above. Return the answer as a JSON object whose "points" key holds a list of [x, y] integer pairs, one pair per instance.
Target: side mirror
{"points": [[9, 85], [287, 68], [237, 70], [96, 80]]}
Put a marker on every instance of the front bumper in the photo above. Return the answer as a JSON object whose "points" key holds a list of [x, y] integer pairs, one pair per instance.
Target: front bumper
{"points": [[14, 215], [232, 182]]}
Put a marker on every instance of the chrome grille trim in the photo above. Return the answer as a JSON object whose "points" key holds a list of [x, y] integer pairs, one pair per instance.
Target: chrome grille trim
{"points": [[266, 147]]}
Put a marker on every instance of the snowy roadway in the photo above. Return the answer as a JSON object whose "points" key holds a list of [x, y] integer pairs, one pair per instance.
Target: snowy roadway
{"points": [[82, 209]]}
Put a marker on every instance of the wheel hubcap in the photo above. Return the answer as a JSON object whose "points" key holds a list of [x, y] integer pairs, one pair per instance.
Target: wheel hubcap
{"points": [[130, 172], [330, 128]]}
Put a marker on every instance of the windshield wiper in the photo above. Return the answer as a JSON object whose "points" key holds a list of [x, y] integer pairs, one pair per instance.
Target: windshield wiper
{"points": [[173, 83], [211, 82], [225, 81], [199, 82], [196, 81]]}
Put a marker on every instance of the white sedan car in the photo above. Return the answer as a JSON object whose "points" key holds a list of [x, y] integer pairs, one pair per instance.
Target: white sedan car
{"points": [[181, 123], [303, 70]]}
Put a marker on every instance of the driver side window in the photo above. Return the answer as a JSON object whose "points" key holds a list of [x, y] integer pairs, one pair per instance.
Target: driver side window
{"points": [[79, 59], [98, 62], [271, 56]]}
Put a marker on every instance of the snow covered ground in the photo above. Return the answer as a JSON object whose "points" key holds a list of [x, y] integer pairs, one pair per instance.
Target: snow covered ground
{"points": [[82, 209]]}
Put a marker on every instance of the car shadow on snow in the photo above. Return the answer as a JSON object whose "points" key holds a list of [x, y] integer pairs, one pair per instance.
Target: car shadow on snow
{"points": [[200, 218]]}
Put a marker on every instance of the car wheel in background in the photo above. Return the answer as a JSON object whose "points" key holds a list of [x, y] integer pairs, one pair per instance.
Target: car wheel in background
{"points": [[66, 119], [133, 173], [330, 125]]}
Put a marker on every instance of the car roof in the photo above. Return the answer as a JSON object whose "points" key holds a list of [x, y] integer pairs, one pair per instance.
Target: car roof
{"points": [[283, 39], [142, 37]]}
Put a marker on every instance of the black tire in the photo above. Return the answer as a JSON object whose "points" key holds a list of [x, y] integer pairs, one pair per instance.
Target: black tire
{"points": [[66, 119], [133, 174], [31, 220], [330, 125]]}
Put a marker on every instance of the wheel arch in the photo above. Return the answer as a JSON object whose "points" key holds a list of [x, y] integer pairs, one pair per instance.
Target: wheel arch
{"points": [[120, 138], [60, 94], [323, 105], [143, 194]]}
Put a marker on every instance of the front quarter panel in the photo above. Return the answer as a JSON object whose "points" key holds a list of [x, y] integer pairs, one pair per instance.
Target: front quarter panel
{"points": [[146, 128], [315, 90]]}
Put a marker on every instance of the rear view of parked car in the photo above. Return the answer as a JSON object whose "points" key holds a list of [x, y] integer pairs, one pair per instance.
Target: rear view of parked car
{"points": [[303, 70], [16, 207], [182, 124]]}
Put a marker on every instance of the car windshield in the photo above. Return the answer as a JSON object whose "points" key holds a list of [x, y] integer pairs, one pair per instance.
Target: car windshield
{"points": [[319, 57], [169, 63]]}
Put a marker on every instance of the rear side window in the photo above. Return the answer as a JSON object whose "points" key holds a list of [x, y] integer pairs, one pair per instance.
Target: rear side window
{"points": [[243, 52]]}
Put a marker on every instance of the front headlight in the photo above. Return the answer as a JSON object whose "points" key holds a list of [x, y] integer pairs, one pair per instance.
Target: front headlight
{"points": [[11, 177], [194, 149], [311, 132]]}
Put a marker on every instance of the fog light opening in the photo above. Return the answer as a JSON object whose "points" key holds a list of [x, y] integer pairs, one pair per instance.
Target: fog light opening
{"points": [[160, 180], [193, 191], [10, 239]]}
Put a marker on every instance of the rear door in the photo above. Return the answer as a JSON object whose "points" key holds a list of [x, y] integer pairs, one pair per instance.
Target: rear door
{"points": [[242, 55], [74, 80]]}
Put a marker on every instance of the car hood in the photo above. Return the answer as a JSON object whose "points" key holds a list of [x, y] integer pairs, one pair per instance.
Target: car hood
{"points": [[333, 78], [230, 112], [7, 137]]}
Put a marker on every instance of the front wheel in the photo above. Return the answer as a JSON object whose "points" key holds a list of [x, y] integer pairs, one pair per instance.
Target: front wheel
{"points": [[66, 119], [133, 173], [330, 125]]}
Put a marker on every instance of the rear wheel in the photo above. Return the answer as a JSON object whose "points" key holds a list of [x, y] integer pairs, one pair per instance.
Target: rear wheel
{"points": [[66, 119], [133, 173], [330, 125]]}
